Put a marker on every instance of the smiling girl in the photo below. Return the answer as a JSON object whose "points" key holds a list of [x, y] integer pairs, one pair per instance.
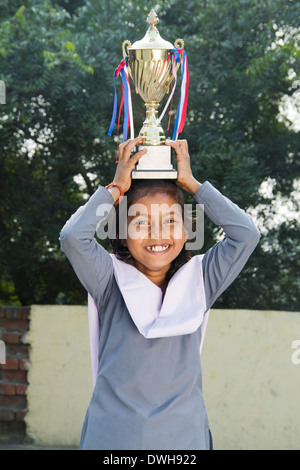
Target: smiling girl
{"points": [[153, 298]]}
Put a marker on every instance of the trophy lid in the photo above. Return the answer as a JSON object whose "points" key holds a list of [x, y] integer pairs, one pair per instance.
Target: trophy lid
{"points": [[152, 38]]}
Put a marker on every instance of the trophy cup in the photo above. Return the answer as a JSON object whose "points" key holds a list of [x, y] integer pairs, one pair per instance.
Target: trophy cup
{"points": [[152, 72]]}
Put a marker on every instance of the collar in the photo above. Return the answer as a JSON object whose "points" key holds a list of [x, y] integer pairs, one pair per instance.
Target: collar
{"points": [[180, 312]]}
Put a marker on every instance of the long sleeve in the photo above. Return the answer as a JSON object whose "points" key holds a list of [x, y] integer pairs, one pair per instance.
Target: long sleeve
{"points": [[225, 260], [91, 262]]}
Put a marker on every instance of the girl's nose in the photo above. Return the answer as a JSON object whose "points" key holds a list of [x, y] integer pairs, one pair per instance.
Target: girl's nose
{"points": [[156, 230], [160, 231]]}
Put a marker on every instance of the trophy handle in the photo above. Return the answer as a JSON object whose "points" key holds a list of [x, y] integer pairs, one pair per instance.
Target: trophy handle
{"points": [[179, 43], [125, 43]]}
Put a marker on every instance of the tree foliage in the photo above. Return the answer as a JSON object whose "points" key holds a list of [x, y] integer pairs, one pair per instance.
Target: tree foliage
{"points": [[57, 59]]}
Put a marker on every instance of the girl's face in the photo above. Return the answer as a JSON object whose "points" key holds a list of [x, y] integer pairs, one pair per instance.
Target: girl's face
{"points": [[155, 233]]}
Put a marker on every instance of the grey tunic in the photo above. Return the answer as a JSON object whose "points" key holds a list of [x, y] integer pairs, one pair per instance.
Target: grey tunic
{"points": [[148, 392]]}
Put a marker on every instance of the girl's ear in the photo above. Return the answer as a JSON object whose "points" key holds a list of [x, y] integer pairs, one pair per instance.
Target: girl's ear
{"points": [[123, 242]]}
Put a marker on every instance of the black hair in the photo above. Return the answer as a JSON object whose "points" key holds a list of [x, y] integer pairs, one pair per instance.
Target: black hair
{"points": [[139, 189]]}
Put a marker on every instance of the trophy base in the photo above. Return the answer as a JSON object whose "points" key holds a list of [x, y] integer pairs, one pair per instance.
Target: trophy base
{"points": [[155, 164], [154, 174]]}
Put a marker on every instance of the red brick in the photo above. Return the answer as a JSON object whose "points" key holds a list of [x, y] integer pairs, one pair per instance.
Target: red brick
{"points": [[12, 338], [7, 415], [12, 313], [26, 314], [20, 415], [23, 364], [7, 389], [17, 350], [15, 312], [13, 401], [15, 324], [11, 364], [16, 376], [21, 389]]}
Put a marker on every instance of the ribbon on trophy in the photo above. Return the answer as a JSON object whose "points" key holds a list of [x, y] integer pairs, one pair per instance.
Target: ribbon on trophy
{"points": [[122, 70], [183, 101], [125, 100], [174, 55]]}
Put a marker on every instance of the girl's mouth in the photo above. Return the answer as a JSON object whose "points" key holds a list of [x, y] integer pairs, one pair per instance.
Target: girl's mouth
{"points": [[158, 248]]}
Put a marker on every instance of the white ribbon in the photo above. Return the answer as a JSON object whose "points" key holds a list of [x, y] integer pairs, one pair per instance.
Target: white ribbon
{"points": [[172, 93], [130, 106]]}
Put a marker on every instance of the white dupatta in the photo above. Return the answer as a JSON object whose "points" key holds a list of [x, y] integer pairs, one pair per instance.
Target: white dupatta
{"points": [[181, 311]]}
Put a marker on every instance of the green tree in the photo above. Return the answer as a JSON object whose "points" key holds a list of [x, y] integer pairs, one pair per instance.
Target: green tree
{"points": [[57, 59]]}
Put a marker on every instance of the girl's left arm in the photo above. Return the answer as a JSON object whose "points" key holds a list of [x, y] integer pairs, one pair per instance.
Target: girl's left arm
{"points": [[224, 261]]}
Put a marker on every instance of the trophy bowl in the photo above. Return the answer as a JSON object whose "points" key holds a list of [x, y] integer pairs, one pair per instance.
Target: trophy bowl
{"points": [[151, 70]]}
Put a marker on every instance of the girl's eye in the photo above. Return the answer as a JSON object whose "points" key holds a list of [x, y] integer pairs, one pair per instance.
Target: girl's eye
{"points": [[170, 221], [141, 222]]}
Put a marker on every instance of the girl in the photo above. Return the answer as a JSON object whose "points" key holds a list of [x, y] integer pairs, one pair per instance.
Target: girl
{"points": [[153, 302]]}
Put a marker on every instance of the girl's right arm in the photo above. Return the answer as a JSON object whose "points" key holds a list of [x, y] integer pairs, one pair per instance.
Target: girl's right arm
{"points": [[90, 261]]}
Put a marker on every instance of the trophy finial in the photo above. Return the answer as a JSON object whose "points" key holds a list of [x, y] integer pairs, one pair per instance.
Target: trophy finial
{"points": [[152, 18]]}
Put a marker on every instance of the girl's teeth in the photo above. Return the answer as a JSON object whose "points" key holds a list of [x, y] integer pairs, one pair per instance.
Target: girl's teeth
{"points": [[157, 248]]}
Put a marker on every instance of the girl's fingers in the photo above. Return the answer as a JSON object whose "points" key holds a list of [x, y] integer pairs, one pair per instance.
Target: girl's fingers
{"points": [[122, 147], [178, 145], [172, 143], [126, 148], [137, 156]]}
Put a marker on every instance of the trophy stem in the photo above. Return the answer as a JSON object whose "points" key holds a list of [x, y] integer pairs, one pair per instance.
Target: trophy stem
{"points": [[152, 132]]}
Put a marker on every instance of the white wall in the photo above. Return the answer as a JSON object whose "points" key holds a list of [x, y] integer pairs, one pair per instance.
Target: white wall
{"points": [[60, 381], [251, 386]]}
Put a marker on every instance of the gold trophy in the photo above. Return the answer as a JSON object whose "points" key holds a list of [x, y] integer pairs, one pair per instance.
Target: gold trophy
{"points": [[152, 72]]}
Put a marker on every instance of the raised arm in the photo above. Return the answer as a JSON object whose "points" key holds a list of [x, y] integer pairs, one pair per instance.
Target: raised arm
{"points": [[225, 260], [90, 261]]}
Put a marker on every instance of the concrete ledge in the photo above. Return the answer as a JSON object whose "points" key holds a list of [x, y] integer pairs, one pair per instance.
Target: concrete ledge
{"points": [[251, 385]]}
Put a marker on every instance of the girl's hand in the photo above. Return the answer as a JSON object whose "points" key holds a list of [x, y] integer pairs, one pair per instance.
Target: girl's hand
{"points": [[185, 178], [126, 163]]}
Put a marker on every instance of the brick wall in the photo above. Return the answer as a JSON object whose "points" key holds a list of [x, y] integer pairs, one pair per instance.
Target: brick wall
{"points": [[14, 323]]}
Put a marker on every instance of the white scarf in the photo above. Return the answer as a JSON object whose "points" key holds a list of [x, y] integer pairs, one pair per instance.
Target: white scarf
{"points": [[181, 311]]}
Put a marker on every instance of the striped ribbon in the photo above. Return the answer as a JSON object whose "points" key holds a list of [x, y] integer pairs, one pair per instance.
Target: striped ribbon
{"points": [[125, 101], [174, 55], [183, 101]]}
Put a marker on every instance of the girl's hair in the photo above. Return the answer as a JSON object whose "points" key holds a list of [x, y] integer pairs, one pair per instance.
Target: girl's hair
{"points": [[139, 189]]}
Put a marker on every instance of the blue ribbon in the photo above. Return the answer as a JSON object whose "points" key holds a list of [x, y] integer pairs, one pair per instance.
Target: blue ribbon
{"points": [[176, 54], [113, 119], [178, 107], [115, 108], [125, 124]]}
